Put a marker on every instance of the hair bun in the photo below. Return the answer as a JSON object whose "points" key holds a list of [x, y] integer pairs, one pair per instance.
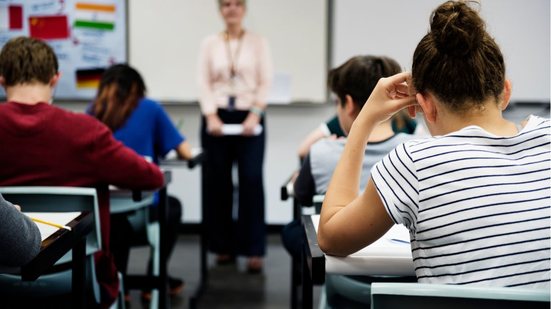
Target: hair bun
{"points": [[457, 29]]}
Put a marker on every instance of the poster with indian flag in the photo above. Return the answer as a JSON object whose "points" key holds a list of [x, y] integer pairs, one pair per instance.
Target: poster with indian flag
{"points": [[87, 36], [95, 16]]}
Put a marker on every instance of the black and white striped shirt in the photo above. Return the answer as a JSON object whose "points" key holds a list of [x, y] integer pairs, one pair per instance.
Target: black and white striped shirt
{"points": [[477, 205]]}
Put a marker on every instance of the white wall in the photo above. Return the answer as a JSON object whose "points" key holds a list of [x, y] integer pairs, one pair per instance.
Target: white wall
{"points": [[394, 27]]}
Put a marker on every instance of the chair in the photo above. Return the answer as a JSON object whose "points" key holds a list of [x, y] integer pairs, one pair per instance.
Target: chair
{"points": [[57, 199], [427, 296]]}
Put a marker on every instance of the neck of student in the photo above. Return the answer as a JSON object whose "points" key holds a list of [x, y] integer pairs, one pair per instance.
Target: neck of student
{"points": [[381, 132], [29, 93], [234, 31], [489, 117]]}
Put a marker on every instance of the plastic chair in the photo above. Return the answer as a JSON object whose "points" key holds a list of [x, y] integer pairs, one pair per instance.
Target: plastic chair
{"points": [[57, 199], [146, 233], [428, 296]]}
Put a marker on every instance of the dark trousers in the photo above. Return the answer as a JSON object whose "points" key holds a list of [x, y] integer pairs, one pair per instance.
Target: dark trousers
{"points": [[246, 233], [122, 231]]}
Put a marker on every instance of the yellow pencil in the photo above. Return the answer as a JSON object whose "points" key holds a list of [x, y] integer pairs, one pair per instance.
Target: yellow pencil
{"points": [[59, 226]]}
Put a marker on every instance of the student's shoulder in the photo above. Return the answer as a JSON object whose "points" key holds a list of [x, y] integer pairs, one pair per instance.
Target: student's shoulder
{"points": [[149, 104], [74, 117], [327, 145]]}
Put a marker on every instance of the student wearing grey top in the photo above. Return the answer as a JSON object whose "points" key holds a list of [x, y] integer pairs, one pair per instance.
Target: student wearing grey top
{"points": [[19, 236], [352, 83]]}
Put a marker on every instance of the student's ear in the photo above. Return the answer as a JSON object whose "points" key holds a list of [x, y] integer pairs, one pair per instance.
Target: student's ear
{"points": [[55, 79], [507, 88], [350, 107], [427, 103], [2, 81]]}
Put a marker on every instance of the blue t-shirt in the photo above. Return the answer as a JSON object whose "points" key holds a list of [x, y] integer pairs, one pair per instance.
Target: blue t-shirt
{"points": [[149, 131]]}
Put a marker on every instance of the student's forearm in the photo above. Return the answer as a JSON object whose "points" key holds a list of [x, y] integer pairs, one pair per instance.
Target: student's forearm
{"points": [[345, 182]]}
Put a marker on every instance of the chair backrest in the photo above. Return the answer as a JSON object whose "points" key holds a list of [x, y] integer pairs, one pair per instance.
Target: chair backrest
{"points": [[426, 296], [59, 199], [55, 199]]}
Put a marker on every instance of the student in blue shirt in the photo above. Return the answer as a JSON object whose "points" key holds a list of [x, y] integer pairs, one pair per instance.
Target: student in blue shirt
{"points": [[141, 124]]}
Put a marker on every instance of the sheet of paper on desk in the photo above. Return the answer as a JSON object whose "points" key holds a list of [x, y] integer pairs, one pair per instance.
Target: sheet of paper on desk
{"points": [[61, 218]]}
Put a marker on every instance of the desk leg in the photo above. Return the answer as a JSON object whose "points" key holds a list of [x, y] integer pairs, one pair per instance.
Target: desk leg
{"points": [[163, 207], [307, 283], [78, 275], [203, 279]]}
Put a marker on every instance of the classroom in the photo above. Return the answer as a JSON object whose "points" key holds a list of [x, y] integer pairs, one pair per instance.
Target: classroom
{"points": [[296, 44]]}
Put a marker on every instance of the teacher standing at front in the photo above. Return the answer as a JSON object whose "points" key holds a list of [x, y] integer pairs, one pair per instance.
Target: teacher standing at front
{"points": [[235, 72]]}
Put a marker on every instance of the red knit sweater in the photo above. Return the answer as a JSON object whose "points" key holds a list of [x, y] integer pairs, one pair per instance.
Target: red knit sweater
{"points": [[44, 145]]}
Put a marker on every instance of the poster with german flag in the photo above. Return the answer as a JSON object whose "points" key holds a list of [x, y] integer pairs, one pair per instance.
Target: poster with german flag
{"points": [[87, 36]]}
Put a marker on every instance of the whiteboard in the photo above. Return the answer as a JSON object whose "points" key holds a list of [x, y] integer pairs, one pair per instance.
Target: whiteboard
{"points": [[86, 35], [394, 27], [165, 36]]}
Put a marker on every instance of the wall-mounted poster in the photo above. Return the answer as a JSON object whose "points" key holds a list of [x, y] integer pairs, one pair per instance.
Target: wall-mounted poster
{"points": [[86, 35]]}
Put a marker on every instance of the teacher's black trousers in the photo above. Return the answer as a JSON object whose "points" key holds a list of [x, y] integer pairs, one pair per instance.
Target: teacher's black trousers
{"points": [[234, 229]]}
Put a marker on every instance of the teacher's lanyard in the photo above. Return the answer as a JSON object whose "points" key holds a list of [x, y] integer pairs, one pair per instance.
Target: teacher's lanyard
{"points": [[232, 59]]}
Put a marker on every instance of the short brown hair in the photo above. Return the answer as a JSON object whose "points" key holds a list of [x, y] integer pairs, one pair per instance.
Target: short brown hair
{"points": [[25, 60], [358, 76], [458, 61]]}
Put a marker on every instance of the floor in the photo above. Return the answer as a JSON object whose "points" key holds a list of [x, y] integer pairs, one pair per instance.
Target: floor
{"points": [[229, 286]]}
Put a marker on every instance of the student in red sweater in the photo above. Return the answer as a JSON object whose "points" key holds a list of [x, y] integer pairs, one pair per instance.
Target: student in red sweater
{"points": [[43, 145]]}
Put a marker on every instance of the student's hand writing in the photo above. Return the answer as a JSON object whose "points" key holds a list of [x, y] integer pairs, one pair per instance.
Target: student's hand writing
{"points": [[214, 125], [391, 94], [17, 207], [250, 123]]}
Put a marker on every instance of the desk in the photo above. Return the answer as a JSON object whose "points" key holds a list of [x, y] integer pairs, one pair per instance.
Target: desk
{"points": [[54, 247], [390, 255]]}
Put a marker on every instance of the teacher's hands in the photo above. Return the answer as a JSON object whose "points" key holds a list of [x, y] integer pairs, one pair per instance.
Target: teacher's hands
{"points": [[250, 123], [214, 125]]}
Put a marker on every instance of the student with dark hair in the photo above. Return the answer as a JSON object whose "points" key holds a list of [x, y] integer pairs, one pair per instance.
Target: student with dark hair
{"points": [[143, 125], [351, 83], [19, 236], [43, 145], [475, 196]]}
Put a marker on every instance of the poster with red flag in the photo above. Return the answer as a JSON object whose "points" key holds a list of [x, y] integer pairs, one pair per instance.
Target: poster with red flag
{"points": [[11, 17], [49, 27]]}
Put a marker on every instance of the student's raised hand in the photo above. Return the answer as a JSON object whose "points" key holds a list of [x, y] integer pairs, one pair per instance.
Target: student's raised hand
{"points": [[391, 94]]}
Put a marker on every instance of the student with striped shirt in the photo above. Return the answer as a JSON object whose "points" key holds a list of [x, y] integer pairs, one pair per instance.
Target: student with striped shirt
{"points": [[476, 195]]}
